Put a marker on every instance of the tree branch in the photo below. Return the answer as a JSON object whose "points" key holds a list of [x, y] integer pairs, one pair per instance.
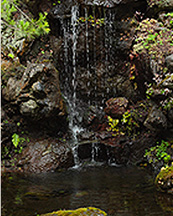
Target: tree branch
{"points": [[24, 14]]}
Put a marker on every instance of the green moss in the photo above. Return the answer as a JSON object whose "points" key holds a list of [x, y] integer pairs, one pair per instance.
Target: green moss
{"points": [[165, 173], [81, 211], [164, 180]]}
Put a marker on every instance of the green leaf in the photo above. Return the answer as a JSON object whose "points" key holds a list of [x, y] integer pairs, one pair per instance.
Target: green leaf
{"points": [[15, 140], [11, 55]]}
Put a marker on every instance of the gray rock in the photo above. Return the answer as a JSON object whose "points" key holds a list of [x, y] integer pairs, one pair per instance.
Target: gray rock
{"points": [[28, 108], [156, 120], [12, 89], [38, 93], [169, 62]]}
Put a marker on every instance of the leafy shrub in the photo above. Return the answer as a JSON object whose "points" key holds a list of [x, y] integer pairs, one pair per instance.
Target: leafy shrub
{"points": [[154, 40], [18, 28], [159, 153], [127, 125]]}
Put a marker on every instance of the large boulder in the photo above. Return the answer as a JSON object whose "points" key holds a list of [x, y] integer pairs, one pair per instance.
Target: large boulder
{"points": [[37, 94], [44, 156]]}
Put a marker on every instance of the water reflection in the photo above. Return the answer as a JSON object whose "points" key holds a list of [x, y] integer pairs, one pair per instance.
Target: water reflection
{"points": [[121, 191]]}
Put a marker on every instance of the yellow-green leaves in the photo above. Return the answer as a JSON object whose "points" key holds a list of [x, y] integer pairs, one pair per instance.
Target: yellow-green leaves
{"points": [[113, 124], [15, 140], [19, 26]]}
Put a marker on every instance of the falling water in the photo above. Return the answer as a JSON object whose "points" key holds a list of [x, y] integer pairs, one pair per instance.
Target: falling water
{"points": [[87, 54], [74, 114], [74, 13], [92, 41], [93, 153]]}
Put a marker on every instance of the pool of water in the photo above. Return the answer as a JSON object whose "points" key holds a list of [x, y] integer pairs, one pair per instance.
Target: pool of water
{"points": [[123, 191]]}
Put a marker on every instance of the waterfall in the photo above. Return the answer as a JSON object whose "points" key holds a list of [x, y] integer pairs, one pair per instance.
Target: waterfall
{"points": [[87, 54], [81, 28]]}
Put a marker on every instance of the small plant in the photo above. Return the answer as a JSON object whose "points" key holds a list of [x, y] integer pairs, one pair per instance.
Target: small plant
{"points": [[113, 123], [92, 21], [126, 125], [167, 104], [19, 28], [17, 141], [158, 153], [154, 43]]}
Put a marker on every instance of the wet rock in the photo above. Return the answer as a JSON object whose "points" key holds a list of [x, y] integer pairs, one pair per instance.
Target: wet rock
{"points": [[164, 180], [110, 150], [28, 108], [38, 89], [156, 120], [165, 201], [93, 117], [169, 62], [44, 156], [37, 94], [116, 107], [126, 89], [138, 146], [81, 211], [12, 89], [63, 10], [170, 116]]}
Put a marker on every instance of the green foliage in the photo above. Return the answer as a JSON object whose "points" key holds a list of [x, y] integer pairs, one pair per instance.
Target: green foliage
{"points": [[126, 125], [15, 140], [18, 28], [154, 40], [158, 153], [92, 21], [168, 104], [18, 141], [113, 124]]}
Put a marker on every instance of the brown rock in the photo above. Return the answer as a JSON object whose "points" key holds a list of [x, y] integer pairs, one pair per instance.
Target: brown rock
{"points": [[116, 107]]}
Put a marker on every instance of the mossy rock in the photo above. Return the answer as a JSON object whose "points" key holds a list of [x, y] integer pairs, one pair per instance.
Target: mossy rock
{"points": [[164, 180], [81, 211]]}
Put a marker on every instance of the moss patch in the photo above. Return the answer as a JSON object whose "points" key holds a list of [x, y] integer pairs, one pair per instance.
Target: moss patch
{"points": [[164, 180], [81, 211]]}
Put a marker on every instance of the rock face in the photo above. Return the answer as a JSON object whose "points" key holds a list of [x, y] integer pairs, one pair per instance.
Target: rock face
{"points": [[169, 62], [116, 107], [45, 156], [156, 120], [81, 211], [101, 48], [37, 94]]}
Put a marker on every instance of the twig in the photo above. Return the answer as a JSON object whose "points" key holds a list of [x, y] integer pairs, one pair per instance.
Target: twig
{"points": [[8, 25], [24, 14]]}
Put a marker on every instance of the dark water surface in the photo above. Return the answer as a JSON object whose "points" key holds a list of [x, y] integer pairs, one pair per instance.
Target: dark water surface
{"points": [[126, 191]]}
